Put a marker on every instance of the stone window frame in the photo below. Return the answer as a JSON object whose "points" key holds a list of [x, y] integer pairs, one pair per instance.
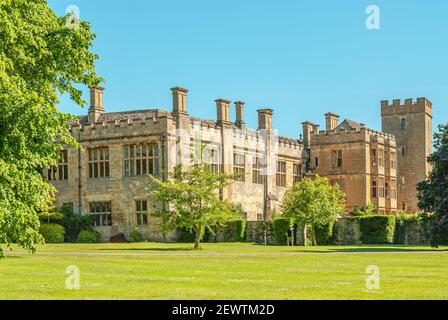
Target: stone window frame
{"points": [[381, 157], [257, 168], [102, 210], [296, 172], [212, 159], [141, 212], [403, 123], [280, 176], [381, 187], [239, 166], [336, 158], [393, 160], [140, 159], [98, 162], [374, 186], [374, 154], [393, 188], [60, 171]]}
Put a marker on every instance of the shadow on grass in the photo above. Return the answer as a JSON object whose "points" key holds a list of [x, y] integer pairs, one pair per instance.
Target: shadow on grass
{"points": [[148, 249], [358, 248]]}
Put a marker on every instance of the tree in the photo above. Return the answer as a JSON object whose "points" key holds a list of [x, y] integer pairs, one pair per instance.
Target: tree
{"points": [[192, 200], [432, 193], [41, 56], [313, 202]]}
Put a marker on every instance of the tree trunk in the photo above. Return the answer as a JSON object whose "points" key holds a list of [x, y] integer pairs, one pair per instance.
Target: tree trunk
{"points": [[314, 235], [199, 235], [304, 235]]}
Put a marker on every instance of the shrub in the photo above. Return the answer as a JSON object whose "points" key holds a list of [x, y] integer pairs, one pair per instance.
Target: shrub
{"points": [[135, 236], [364, 211], [52, 233], [88, 236], [184, 235], [280, 229], [74, 223], [325, 234], [377, 229], [241, 230], [118, 238]]}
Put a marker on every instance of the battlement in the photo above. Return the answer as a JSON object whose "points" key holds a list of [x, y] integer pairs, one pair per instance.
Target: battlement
{"points": [[361, 133], [421, 105]]}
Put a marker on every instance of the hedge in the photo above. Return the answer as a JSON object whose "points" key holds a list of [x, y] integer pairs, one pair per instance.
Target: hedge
{"points": [[377, 229], [52, 233], [325, 234], [280, 230], [88, 236]]}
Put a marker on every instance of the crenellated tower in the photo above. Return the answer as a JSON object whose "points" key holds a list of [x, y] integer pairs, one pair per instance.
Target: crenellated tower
{"points": [[411, 124]]}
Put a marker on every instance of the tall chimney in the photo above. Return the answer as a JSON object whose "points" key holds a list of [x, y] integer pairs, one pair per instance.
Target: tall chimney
{"points": [[332, 121], [96, 104], [223, 111], [179, 100], [307, 129], [265, 119], [239, 106], [316, 128]]}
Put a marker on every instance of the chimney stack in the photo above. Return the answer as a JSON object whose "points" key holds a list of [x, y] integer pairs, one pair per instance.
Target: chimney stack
{"points": [[307, 129], [96, 104], [265, 119], [239, 106], [223, 111], [332, 121], [179, 100]]}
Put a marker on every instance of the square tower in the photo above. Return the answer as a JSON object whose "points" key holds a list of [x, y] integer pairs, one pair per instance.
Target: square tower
{"points": [[411, 124]]}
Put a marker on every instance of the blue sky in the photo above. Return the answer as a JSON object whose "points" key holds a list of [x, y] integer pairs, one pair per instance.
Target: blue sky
{"points": [[300, 58]]}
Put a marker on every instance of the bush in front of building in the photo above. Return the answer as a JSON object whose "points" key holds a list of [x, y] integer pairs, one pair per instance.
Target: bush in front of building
{"points": [[88, 236], [280, 230], [325, 234], [52, 233], [378, 229], [135, 236]]}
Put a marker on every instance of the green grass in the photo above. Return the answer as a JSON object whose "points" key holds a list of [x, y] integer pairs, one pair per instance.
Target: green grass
{"points": [[224, 271]]}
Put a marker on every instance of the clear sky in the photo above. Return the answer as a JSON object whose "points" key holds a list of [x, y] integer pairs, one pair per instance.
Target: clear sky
{"points": [[300, 58]]}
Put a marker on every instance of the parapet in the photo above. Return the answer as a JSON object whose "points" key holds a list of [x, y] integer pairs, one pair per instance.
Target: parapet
{"points": [[421, 105]]}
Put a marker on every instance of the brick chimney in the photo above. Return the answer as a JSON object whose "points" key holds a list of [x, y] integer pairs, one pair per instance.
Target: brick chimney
{"points": [[239, 106], [96, 104], [179, 100], [265, 119], [223, 111], [332, 121]]}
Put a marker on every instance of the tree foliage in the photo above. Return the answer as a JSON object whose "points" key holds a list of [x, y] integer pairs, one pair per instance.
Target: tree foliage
{"points": [[192, 200], [313, 202], [41, 56], [432, 193]]}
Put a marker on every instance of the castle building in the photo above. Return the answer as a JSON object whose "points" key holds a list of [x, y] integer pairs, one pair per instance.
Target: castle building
{"points": [[108, 176]]}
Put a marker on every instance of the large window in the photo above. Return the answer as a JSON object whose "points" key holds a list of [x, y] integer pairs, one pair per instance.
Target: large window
{"points": [[381, 157], [281, 174], [212, 160], [336, 158], [393, 160], [393, 189], [257, 176], [102, 213], [98, 162], [381, 187], [59, 172], [296, 172], [374, 188], [141, 210], [141, 159], [403, 124], [238, 166], [387, 190], [374, 157]]}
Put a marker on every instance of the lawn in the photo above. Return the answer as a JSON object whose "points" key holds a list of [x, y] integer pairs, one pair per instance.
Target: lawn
{"points": [[224, 271]]}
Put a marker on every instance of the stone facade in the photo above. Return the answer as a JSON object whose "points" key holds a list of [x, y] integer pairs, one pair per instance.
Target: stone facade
{"points": [[108, 177]]}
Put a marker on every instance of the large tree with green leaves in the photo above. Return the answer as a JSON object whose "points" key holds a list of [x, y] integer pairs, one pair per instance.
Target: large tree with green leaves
{"points": [[192, 202], [313, 202], [41, 56], [432, 193]]}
